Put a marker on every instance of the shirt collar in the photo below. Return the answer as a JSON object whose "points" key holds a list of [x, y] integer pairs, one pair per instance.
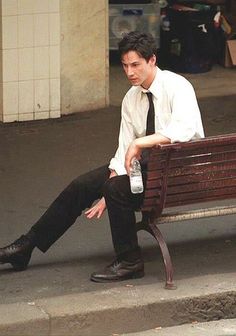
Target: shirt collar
{"points": [[155, 87]]}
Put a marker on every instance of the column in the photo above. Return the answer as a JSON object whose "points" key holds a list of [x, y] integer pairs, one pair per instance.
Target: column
{"points": [[84, 55]]}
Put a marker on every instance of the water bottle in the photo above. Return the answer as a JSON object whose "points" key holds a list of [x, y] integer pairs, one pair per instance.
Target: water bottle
{"points": [[136, 180]]}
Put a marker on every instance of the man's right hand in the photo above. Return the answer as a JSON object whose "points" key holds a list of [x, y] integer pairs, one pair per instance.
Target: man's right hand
{"points": [[96, 210]]}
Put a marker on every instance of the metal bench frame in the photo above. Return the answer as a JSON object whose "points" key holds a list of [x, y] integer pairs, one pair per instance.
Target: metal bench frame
{"points": [[188, 173]]}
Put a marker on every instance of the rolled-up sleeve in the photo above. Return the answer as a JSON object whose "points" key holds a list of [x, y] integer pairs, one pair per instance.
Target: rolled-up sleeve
{"points": [[126, 136], [185, 122]]}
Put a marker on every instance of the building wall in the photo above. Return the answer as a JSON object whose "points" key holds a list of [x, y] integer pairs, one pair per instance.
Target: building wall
{"points": [[30, 59], [53, 58], [84, 55]]}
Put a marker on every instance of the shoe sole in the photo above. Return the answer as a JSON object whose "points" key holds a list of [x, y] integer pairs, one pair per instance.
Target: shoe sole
{"points": [[17, 264], [136, 275], [19, 268]]}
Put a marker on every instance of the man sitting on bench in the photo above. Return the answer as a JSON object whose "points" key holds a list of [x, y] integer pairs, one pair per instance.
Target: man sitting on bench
{"points": [[159, 108]]}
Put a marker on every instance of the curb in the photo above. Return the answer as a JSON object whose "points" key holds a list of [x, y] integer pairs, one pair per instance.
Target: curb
{"points": [[114, 311], [213, 328]]}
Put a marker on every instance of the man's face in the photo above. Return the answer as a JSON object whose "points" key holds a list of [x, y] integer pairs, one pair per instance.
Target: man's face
{"points": [[138, 70]]}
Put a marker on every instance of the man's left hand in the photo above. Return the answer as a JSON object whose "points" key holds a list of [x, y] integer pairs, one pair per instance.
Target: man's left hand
{"points": [[134, 151]]}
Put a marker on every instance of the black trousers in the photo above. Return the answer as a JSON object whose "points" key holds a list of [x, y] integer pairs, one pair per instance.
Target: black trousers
{"points": [[79, 195]]}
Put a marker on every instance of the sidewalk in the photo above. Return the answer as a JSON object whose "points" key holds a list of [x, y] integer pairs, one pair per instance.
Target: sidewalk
{"points": [[219, 82], [215, 328], [131, 307], [54, 296]]}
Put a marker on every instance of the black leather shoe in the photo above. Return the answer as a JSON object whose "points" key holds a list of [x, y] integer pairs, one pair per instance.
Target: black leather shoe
{"points": [[17, 254], [120, 270]]}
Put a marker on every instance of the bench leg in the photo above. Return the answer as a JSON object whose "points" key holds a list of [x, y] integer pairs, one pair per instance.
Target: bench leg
{"points": [[165, 254]]}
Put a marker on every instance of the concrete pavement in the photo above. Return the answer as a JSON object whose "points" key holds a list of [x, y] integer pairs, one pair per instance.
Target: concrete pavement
{"points": [[219, 82], [130, 307], [54, 296], [214, 328]]}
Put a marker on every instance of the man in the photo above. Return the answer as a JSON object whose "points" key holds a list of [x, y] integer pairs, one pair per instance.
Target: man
{"points": [[177, 118]]}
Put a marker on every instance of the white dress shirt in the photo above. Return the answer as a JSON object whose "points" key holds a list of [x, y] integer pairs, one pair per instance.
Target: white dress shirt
{"points": [[177, 114]]}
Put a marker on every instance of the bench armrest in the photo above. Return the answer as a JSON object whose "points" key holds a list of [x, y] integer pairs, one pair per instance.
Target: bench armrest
{"points": [[222, 139]]}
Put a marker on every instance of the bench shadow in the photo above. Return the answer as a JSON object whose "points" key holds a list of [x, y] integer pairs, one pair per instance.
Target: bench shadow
{"points": [[195, 258]]}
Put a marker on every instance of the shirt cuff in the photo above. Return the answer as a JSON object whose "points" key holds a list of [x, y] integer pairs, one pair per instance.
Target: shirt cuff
{"points": [[117, 166]]}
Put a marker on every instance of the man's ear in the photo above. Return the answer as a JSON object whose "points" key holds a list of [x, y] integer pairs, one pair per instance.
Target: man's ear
{"points": [[153, 59]]}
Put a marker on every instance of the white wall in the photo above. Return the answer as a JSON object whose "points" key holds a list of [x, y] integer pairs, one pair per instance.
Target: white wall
{"points": [[30, 60], [53, 58]]}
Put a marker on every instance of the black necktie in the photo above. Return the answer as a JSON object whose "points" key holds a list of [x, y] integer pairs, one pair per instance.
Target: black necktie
{"points": [[150, 129], [150, 126]]}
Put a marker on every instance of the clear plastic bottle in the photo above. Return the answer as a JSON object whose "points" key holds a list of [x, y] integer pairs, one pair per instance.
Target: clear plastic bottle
{"points": [[136, 180]]}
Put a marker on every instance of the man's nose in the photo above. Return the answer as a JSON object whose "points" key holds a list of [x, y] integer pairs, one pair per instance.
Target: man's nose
{"points": [[129, 71]]}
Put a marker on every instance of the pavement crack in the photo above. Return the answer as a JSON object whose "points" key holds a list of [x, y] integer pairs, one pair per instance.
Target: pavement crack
{"points": [[49, 317]]}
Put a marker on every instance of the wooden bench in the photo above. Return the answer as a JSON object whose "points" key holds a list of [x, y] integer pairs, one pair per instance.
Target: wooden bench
{"points": [[188, 173]]}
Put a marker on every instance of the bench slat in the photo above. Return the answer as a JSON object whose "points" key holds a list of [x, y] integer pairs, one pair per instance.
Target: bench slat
{"points": [[177, 153], [193, 160], [196, 174], [187, 190], [203, 185], [189, 151], [195, 214], [204, 168], [200, 196], [203, 176], [214, 168], [208, 157], [155, 181], [151, 204], [200, 200], [219, 140]]}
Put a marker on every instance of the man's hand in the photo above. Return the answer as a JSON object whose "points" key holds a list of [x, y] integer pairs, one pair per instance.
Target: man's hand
{"points": [[136, 147], [134, 151], [97, 210]]}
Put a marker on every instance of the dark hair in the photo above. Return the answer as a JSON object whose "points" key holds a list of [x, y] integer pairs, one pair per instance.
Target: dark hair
{"points": [[143, 43]]}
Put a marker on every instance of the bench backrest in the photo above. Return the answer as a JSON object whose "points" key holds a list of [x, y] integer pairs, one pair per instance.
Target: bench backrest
{"points": [[191, 172]]}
